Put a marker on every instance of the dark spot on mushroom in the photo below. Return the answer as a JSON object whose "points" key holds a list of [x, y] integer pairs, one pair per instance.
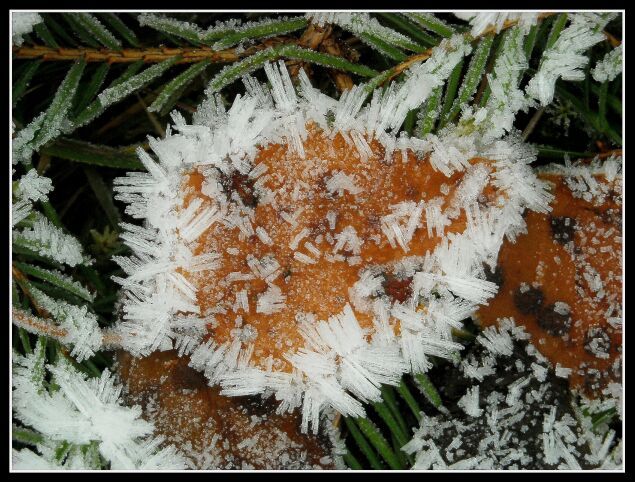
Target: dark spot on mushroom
{"points": [[412, 192], [554, 322], [495, 276], [242, 185], [529, 300], [562, 228], [186, 378], [256, 405], [397, 289], [612, 217], [592, 379]]}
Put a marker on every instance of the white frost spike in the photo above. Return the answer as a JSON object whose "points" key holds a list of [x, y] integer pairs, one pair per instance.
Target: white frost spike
{"points": [[470, 402], [263, 236], [19, 211], [340, 182], [388, 110], [348, 108], [247, 381], [498, 343], [286, 101], [436, 220], [470, 288], [34, 187], [400, 225], [200, 223], [299, 237], [362, 369], [348, 240], [271, 301]]}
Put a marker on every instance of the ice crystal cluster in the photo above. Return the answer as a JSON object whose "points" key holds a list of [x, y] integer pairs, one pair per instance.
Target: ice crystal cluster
{"points": [[524, 423], [566, 59], [80, 420], [337, 361], [482, 21], [22, 23]]}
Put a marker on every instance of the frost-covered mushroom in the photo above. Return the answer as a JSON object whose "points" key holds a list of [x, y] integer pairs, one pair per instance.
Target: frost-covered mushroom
{"points": [[293, 247], [562, 280], [217, 432]]}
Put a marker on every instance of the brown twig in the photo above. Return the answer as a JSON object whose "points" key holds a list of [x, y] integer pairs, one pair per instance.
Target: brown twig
{"points": [[148, 55], [36, 325], [533, 122], [126, 114], [342, 80], [311, 38], [40, 325], [320, 38], [22, 281], [615, 42], [153, 118], [613, 152]]}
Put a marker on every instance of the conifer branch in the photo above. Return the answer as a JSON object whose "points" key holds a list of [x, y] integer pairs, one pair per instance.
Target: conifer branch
{"points": [[420, 57], [148, 55]]}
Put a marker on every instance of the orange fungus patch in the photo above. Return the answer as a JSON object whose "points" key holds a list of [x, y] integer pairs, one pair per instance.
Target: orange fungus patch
{"points": [[563, 282], [314, 223]]}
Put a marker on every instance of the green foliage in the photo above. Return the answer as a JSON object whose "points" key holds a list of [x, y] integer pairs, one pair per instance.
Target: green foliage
{"points": [[61, 129]]}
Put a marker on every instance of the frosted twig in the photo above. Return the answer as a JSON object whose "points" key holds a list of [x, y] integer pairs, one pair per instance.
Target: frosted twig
{"points": [[42, 326], [406, 64]]}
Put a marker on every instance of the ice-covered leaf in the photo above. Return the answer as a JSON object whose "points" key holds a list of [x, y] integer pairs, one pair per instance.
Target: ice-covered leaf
{"points": [[432, 23], [247, 65], [22, 83], [260, 29], [170, 93], [124, 89], [505, 99], [482, 21], [384, 39], [98, 30], [472, 76], [56, 278], [51, 242], [186, 30], [88, 91], [94, 154], [121, 28], [56, 113]]}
